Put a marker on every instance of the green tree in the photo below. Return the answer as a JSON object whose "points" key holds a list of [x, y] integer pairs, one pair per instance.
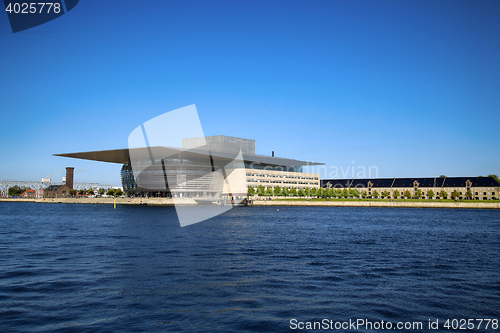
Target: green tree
{"points": [[308, 191], [455, 194], [110, 191], [364, 194], [261, 191], [285, 192], [442, 176], [385, 194], [407, 194], [375, 194], [443, 194], [468, 194], [418, 194], [356, 193], [396, 194], [101, 191], [269, 191], [345, 193], [277, 190], [16, 190], [250, 191], [430, 194], [117, 192], [313, 192], [81, 192], [90, 191], [351, 192], [301, 192], [72, 192], [293, 192]]}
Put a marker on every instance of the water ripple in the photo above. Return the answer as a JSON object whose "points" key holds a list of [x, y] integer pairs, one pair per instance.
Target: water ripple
{"points": [[85, 268]]}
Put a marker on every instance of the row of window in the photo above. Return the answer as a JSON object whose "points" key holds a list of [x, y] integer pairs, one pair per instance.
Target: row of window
{"points": [[280, 182], [437, 197], [281, 176], [423, 189], [424, 193], [286, 180]]}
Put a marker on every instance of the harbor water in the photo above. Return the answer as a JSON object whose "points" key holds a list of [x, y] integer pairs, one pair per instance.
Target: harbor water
{"points": [[92, 268]]}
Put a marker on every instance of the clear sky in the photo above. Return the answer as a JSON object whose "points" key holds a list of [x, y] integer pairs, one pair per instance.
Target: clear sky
{"points": [[411, 87]]}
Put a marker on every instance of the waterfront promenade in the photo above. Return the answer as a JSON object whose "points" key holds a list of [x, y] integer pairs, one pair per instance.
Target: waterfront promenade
{"points": [[311, 203], [407, 204]]}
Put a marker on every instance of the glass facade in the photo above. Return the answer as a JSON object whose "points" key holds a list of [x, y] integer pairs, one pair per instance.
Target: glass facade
{"points": [[193, 177], [200, 172], [177, 177]]}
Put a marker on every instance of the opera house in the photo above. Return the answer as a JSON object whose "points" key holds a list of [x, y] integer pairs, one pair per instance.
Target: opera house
{"points": [[202, 167]]}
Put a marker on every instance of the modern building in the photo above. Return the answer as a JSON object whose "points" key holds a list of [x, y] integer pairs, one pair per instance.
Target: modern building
{"points": [[201, 166], [477, 188]]}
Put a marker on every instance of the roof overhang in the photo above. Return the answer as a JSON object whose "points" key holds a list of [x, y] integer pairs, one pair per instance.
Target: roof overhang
{"points": [[122, 156]]}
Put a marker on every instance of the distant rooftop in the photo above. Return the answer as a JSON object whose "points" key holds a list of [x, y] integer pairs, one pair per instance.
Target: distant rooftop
{"points": [[408, 182]]}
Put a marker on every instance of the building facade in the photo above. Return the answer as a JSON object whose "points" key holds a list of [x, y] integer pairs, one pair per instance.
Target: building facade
{"points": [[475, 188], [222, 165], [202, 167], [57, 191], [273, 178], [29, 194], [61, 191]]}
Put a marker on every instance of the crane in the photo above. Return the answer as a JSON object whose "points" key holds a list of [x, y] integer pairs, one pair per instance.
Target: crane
{"points": [[48, 178]]}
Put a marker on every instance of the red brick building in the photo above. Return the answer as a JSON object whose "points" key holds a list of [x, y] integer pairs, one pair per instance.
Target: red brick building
{"points": [[61, 191], [57, 191]]}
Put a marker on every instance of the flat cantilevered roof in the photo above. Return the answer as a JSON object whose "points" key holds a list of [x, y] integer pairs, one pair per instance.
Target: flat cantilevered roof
{"points": [[122, 156]]}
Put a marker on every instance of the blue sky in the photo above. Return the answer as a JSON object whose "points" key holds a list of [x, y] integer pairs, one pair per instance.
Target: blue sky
{"points": [[411, 87]]}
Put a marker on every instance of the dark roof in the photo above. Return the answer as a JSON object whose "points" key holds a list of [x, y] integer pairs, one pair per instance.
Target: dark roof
{"points": [[122, 156], [53, 188], [408, 182]]}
